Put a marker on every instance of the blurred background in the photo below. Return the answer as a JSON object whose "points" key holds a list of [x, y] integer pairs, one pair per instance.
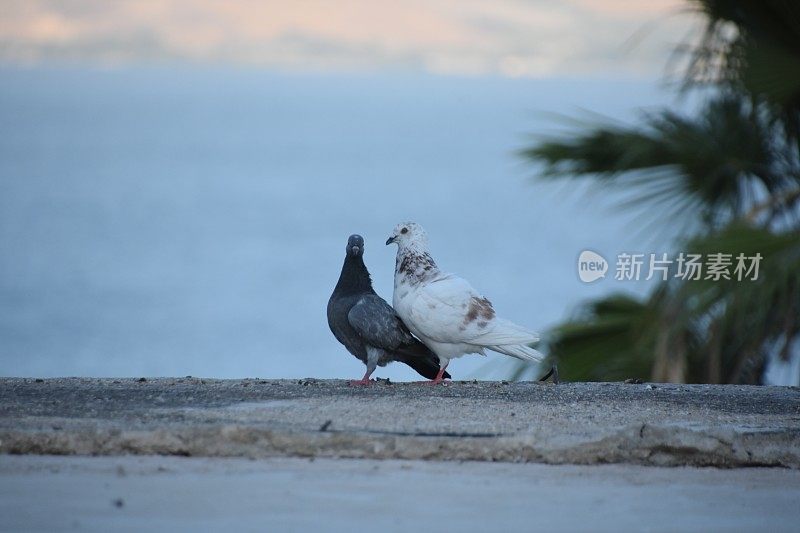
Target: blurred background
{"points": [[178, 179]]}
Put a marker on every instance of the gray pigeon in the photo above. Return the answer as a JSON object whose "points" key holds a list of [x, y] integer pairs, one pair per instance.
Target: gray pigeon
{"points": [[368, 326]]}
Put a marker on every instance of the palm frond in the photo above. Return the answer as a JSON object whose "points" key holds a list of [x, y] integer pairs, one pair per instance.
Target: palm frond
{"points": [[709, 162]]}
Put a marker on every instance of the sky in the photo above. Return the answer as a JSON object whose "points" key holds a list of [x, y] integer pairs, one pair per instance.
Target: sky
{"points": [[510, 38]]}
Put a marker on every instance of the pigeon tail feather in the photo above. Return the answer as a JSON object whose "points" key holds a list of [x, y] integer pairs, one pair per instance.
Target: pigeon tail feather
{"points": [[520, 351], [421, 359], [505, 332]]}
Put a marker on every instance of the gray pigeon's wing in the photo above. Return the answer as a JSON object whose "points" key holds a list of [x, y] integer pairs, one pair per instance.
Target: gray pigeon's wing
{"points": [[340, 326], [376, 322]]}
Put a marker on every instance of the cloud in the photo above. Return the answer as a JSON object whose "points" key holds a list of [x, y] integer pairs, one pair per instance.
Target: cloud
{"points": [[505, 37]]}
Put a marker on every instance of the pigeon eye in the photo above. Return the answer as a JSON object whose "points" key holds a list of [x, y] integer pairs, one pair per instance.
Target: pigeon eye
{"points": [[404, 231]]}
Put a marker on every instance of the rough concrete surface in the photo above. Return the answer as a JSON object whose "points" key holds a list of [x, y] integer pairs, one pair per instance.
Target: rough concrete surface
{"points": [[579, 423]]}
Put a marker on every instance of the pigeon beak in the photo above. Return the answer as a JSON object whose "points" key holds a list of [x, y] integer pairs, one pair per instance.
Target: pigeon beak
{"points": [[390, 240], [354, 249]]}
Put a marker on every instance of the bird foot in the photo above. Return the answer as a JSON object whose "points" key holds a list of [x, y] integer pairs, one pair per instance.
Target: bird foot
{"points": [[439, 377], [431, 382], [360, 383]]}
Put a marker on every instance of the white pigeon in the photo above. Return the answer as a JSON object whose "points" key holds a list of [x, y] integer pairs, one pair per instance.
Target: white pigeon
{"points": [[444, 311]]}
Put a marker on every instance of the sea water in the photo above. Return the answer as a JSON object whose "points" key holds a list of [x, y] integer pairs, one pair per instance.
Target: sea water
{"points": [[177, 221]]}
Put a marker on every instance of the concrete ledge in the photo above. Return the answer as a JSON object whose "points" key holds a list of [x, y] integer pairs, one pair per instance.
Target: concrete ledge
{"points": [[578, 423]]}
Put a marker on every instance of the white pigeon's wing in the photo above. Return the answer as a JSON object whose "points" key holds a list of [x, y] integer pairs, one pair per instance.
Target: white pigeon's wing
{"points": [[450, 310]]}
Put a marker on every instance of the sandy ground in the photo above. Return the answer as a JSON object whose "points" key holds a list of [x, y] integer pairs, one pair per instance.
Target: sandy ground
{"points": [[48, 493]]}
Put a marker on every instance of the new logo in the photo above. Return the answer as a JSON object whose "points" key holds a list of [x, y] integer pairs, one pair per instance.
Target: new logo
{"points": [[591, 266]]}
